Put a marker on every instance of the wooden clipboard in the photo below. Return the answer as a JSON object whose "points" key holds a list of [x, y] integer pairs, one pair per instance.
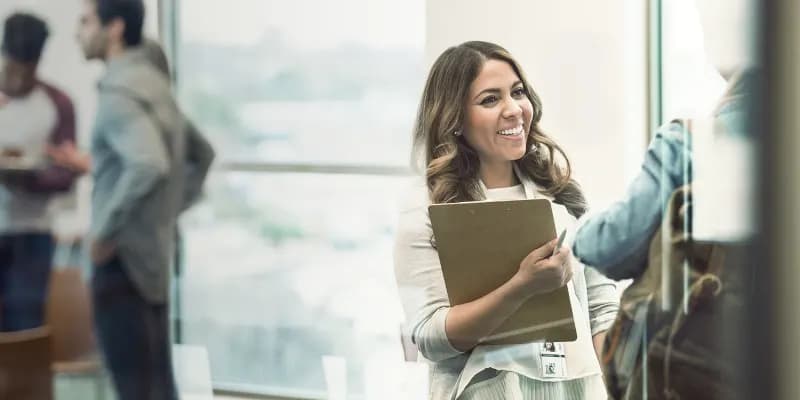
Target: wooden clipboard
{"points": [[481, 245]]}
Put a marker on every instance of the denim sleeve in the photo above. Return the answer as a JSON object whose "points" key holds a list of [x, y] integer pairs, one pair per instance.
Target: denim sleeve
{"points": [[615, 241]]}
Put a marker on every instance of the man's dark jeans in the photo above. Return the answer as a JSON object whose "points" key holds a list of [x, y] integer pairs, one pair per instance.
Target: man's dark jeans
{"points": [[134, 336], [25, 263]]}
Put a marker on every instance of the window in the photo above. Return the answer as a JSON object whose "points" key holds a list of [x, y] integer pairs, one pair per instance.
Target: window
{"points": [[723, 161], [273, 83], [286, 268], [289, 259], [690, 84]]}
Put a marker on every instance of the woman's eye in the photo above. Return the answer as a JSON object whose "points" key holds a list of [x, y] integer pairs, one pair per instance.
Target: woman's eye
{"points": [[488, 100], [519, 92]]}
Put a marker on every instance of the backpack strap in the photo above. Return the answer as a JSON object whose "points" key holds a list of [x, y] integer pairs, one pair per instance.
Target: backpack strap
{"points": [[148, 109]]}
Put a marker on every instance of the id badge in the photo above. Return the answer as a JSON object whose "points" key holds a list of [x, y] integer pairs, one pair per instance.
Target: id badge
{"points": [[554, 361]]}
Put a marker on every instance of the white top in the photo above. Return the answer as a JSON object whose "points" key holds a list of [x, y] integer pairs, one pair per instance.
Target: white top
{"points": [[424, 297], [516, 192], [26, 124]]}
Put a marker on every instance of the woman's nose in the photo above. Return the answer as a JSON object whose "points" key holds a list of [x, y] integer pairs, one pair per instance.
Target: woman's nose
{"points": [[512, 109]]}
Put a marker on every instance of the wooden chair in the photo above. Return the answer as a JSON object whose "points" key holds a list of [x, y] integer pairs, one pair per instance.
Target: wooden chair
{"points": [[25, 365], [69, 317]]}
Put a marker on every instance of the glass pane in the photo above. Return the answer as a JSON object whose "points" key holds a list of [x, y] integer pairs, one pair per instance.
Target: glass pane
{"points": [[270, 81], [708, 69], [710, 73], [691, 85], [285, 269]]}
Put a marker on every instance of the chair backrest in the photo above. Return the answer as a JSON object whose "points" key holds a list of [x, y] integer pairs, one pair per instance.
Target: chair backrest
{"points": [[69, 316], [25, 365]]}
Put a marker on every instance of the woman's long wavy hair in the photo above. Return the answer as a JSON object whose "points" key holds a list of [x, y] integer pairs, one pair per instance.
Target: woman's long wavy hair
{"points": [[451, 166]]}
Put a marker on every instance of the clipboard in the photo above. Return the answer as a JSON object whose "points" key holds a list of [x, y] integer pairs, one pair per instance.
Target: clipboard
{"points": [[481, 245]]}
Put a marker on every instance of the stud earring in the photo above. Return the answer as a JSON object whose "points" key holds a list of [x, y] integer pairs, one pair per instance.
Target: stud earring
{"points": [[457, 133]]}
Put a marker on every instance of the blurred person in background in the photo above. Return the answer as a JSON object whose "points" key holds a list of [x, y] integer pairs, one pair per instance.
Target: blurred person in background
{"points": [[33, 115], [711, 171], [139, 172], [616, 240], [199, 152]]}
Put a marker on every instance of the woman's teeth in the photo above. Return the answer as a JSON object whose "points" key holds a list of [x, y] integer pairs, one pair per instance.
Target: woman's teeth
{"points": [[511, 132]]}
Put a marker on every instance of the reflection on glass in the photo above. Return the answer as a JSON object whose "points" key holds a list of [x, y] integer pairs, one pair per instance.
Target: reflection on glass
{"points": [[691, 84], [709, 71]]}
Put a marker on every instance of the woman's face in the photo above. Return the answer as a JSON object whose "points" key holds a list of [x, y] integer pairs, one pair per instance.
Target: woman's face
{"points": [[498, 114]]}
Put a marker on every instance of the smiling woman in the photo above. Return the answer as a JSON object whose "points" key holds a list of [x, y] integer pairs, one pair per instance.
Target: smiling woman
{"points": [[495, 97], [477, 130]]}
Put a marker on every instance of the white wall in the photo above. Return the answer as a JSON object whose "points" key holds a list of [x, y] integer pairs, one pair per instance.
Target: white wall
{"points": [[63, 65], [587, 62]]}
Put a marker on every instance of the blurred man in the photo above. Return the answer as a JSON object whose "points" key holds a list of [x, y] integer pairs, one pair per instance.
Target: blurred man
{"points": [[710, 360], [616, 240], [199, 152], [138, 158], [33, 115]]}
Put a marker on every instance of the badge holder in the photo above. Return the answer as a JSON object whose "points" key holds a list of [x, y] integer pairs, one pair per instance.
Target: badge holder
{"points": [[554, 360]]}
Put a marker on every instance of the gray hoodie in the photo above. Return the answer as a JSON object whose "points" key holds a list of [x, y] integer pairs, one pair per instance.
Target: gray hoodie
{"points": [[149, 164]]}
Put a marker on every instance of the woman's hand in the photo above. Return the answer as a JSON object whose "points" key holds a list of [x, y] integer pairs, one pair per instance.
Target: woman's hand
{"points": [[542, 272]]}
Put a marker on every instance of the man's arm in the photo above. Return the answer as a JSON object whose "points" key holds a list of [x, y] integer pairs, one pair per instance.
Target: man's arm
{"points": [[54, 178], [615, 240], [134, 137]]}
